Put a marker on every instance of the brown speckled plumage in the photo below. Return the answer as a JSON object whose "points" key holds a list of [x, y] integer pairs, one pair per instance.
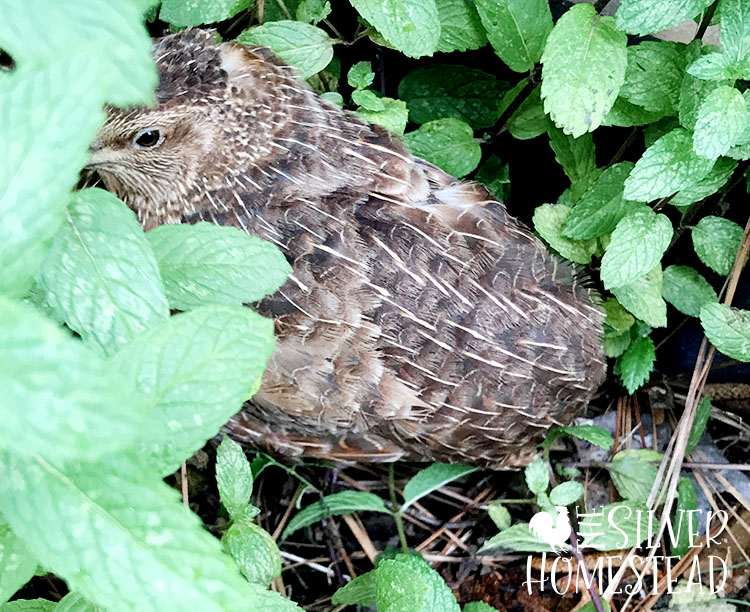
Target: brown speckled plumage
{"points": [[421, 320]]}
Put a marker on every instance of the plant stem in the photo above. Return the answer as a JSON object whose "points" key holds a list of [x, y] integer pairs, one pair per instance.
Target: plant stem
{"points": [[397, 510], [624, 147], [593, 593], [707, 16], [531, 84]]}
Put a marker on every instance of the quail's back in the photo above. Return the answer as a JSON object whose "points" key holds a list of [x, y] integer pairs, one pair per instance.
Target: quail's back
{"points": [[421, 320]]}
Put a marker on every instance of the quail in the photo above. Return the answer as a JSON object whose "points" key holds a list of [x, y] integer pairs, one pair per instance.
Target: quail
{"points": [[421, 320]]}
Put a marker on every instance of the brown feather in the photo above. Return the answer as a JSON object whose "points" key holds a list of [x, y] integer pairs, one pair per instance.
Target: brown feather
{"points": [[421, 321]]}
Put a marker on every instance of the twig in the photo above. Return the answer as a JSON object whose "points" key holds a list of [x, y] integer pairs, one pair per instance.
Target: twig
{"points": [[586, 576], [624, 147], [316, 566], [360, 533], [637, 410], [397, 510], [287, 512], [184, 484], [705, 22], [531, 84]]}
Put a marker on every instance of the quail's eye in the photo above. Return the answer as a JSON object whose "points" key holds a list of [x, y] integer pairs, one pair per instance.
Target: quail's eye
{"points": [[148, 138]]}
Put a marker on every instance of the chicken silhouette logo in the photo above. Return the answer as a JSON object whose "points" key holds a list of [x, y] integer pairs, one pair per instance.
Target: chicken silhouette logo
{"points": [[554, 530]]}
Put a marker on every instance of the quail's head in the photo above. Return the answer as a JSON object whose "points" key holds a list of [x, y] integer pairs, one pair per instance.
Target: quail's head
{"points": [[148, 156], [160, 159]]}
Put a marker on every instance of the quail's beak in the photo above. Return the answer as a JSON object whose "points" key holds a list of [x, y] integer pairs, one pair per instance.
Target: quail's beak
{"points": [[96, 154]]}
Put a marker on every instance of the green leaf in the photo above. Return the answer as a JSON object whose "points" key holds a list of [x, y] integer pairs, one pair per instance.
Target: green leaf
{"points": [[439, 596], [601, 207], [637, 245], [682, 520], [648, 16], [393, 117], [591, 433], [566, 493], [412, 26], [636, 364], [443, 90], [728, 329], [734, 29], [717, 67], [398, 589], [499, 514], [17, 566], [73, 602], [494, 174], [615, 526], [708, 185], [195, 370], [478, 606], [617, 319], [584, 60], [360, 591], [626, 114], [537, 476], [549, 220], [687, 290], [47, 119], [28, 605], [313, 11], [368, 100], [233, 477], [702, 413], [276, 10], [448, 143], [304, 46], [653, 132], [693, 92], [529, 120], [60, 400], [615, 345], [577, 157], [210, 264], [334, 97], [65, 515], [100, 274], [360, 75], [124, 75], [668, 165], [643, 298], [716, 242], [720, 123], [517, 30], [654, 76], [518, 538], [398, 594], [431, 478], [183, 14], [336, 504], [460, 26], [740, 152], [633, 475], [254, 550]]}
